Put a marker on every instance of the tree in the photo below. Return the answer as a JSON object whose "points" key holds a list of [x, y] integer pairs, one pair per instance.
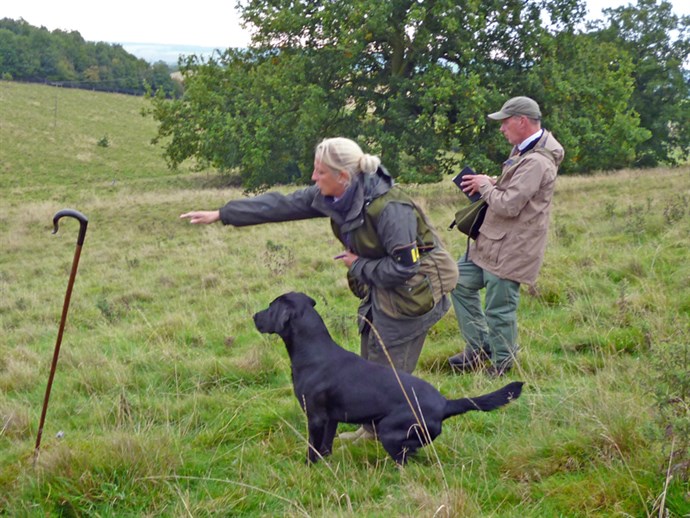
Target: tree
{"points": [[9, 54], [584, 88], [249, 110], [403, 77], [412, 81], [659, 44], [419, 75]]}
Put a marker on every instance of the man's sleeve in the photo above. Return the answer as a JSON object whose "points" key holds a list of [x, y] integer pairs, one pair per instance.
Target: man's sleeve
{"points": [[511, 198]]}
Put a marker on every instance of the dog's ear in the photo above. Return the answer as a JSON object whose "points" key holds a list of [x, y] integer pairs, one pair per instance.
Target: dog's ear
{"points": [[282, 317]]}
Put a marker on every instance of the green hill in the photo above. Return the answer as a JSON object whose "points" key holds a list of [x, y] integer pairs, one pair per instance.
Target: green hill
{"points": [[53, 136], [167, 401]]}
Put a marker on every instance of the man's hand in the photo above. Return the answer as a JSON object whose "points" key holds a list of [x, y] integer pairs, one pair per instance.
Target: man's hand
{"points": [[472, 183]]}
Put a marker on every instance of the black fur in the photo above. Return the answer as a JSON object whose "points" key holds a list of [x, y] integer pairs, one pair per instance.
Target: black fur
{"points": [[334, 385]]}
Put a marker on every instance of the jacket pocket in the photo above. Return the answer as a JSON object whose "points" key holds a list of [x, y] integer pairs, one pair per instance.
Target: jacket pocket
{"points": [[490, 246], [412, 299]]}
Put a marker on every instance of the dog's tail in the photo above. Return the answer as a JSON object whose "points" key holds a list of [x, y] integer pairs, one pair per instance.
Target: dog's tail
{"points": [[487, 402]]}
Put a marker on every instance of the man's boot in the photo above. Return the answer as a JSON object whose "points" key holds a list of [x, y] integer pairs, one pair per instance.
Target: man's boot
{"points": [[363, 433], [469, 360]]}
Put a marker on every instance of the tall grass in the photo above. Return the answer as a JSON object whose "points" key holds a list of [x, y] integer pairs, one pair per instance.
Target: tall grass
{"points": [[167, 401]]}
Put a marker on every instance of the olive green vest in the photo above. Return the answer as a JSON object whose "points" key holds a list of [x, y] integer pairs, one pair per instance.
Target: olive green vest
{"points": [[437, 274], [364, 240]]}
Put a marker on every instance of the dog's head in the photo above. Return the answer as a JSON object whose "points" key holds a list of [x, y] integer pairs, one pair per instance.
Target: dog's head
{"points": [[276, 317]]}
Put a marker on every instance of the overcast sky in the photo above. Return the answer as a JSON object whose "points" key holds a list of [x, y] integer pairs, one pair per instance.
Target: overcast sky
{"points": [[206, 23]]}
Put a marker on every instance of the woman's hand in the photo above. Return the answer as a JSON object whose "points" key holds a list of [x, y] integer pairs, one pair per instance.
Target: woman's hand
{"points": [[347, 257], [204, 217]]}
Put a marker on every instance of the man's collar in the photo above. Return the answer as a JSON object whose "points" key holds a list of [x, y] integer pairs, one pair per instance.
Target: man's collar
{"points": [[530, 139]]}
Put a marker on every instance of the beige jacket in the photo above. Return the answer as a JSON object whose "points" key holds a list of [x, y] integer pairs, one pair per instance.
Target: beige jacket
{"points": [[512, 239]]}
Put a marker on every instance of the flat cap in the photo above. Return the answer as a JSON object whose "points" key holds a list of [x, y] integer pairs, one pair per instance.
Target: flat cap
{"points": [[518, 106]]}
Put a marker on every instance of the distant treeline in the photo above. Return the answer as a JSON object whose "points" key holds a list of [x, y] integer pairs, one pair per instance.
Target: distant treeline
{"points": [[33, 54]]}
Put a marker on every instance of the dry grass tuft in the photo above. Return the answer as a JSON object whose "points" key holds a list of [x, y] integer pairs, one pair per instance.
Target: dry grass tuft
{"points": [[15, 421]]}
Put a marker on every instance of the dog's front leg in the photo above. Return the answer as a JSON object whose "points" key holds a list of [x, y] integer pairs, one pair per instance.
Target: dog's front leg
{"points": [[328, 436], [316, 435]]}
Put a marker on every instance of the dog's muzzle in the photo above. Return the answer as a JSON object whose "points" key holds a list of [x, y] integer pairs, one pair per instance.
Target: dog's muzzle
{"points": [[260, 322]]}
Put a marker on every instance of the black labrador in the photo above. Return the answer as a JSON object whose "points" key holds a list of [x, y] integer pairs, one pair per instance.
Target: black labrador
{"points": [[334, 385]]}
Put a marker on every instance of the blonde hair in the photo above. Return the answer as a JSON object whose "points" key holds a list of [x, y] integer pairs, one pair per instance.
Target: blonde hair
{"points": [[342, 154]]}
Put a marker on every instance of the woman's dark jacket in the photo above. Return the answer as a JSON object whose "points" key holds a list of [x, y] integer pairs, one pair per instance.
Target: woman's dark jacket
{"points": [[387, 231]]}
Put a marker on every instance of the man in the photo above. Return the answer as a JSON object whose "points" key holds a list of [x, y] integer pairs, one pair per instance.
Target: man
{"points": [[510, 247]]}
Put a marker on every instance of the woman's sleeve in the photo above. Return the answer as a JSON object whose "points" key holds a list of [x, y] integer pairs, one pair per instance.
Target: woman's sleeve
{"points": [[397, 231], [270, 207]]}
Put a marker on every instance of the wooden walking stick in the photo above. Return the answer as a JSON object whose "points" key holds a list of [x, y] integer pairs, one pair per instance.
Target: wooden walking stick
{"points": [[83, 222]]}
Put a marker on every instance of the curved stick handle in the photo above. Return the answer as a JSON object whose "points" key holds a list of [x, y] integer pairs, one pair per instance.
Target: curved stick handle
{"points": [[83, 222]]}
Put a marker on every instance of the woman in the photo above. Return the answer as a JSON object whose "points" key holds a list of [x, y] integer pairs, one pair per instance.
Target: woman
{"points": [[396, 263]]}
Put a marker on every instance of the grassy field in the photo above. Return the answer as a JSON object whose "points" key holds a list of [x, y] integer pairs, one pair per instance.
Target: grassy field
{"points": [[167, 401]]}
